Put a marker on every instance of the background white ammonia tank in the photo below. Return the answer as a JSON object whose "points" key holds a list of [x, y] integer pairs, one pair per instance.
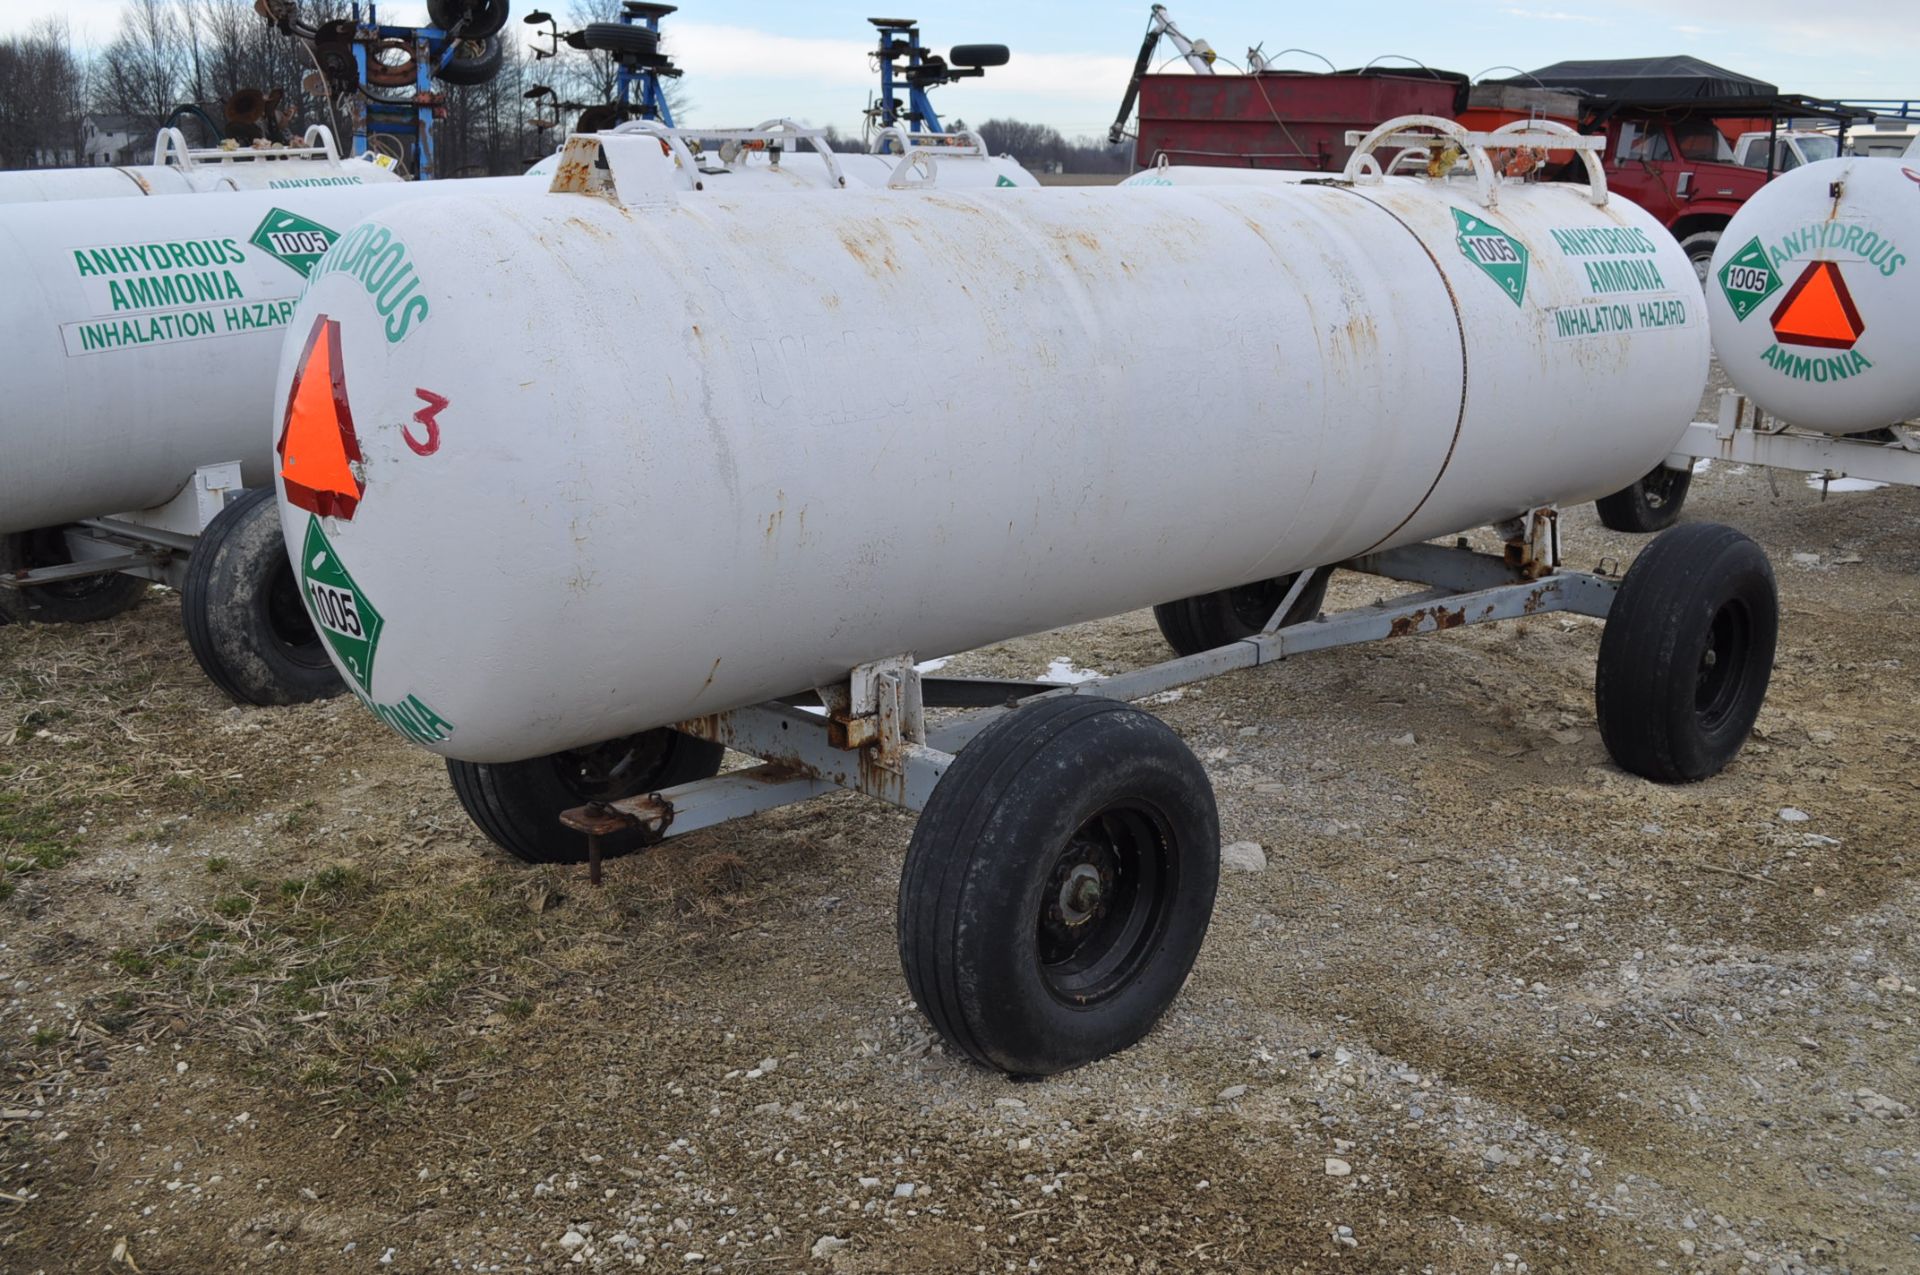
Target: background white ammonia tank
{"points": [[1814, 295], [138, 338], [697, 453], [176, 170]]}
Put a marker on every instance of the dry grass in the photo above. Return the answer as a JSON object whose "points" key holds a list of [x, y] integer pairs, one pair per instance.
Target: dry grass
{"points": [[355, 983], [347, 955]]}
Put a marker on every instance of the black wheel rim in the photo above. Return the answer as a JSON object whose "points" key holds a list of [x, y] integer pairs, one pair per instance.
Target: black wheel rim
{"points": [[1106, 903], [618, 768], [288, 621], [1657, 488], [1723, 665]]}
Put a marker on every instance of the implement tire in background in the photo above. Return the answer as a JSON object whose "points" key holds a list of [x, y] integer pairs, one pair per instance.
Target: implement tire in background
{"points": [[242, 611], [1687, 653], [1209, 620], [69, 602], [483, 17], [475, 62], [1651, 503], [518, 804]]}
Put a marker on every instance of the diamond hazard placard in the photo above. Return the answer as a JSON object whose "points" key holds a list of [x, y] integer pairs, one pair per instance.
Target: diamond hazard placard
{"points": [[1748, 279], [343, 614], [1503, 257]]}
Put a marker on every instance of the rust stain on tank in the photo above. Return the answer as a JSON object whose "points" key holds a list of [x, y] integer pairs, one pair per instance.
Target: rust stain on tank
{"points": [[1439, 618], [859, 252], [1362, 333], [589, 227]]}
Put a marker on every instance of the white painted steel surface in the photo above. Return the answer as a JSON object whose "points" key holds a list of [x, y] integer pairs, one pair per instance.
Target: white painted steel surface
{"points": [[1859, 219], [806, 170], [116, 387], [695, 453], [97, 430], [178, 171]]}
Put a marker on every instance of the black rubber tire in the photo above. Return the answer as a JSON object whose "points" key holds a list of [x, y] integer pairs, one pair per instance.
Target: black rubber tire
{"points": [[69, 602], [484, 17], [1699, 247], [984, 867], [1687, 654], [242, 610], [978, 55], [617, 38], [1652, 503], [1209, 620], [469, 69], [518, 804]]}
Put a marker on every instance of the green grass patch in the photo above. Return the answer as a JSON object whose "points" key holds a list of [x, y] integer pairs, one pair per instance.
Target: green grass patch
{"points": [[31, 839], [348, 982]]}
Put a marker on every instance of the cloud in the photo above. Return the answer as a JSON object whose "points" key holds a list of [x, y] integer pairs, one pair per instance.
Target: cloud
{"points": [[1554, 15], [1865, 29], [748, 53]]}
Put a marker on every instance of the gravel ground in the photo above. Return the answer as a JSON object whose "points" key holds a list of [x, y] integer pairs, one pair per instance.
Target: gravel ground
{"points": [[1490, 1004]]}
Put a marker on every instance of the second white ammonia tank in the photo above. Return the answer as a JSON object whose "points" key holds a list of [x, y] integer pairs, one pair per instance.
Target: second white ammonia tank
{"points": [[138, 338], [1814, 295], [176, 170], [692, 454]]}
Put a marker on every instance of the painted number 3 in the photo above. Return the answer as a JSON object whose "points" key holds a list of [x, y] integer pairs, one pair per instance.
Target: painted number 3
{"points": [[428, 417]]}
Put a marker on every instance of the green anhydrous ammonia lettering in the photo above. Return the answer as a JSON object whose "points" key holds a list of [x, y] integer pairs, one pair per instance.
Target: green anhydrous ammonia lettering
{"points": [[146, 292], [384, 267], [1607, 275], [1820, 369], [412, 719], [286, 183], [1839, 237], [1604, 241], [183, 254]]}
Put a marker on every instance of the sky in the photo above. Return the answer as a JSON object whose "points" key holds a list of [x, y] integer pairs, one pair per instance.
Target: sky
{"points": [[749, 60]]}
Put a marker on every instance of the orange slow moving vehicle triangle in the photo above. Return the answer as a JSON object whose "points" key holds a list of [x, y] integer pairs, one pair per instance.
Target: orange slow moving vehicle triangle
{"points": [[317, 442], [1818, 310]]}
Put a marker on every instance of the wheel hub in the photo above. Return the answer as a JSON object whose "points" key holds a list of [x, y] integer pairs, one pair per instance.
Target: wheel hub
{"points": [[1082, 894]]}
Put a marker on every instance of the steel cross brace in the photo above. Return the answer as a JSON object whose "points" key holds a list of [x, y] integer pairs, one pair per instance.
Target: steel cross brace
{"points": [[1738, 437], [870, 735]]}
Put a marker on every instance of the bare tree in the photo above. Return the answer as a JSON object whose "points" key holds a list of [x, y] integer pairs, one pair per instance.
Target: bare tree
{"points": [[141, 73], [42, 97]]}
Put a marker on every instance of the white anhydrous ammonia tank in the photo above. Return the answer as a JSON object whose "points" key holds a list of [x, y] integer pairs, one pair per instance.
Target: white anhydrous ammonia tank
{"points": [[1814, 295], [807, 170], [212, 173], [138, 338], [694, 453]]}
